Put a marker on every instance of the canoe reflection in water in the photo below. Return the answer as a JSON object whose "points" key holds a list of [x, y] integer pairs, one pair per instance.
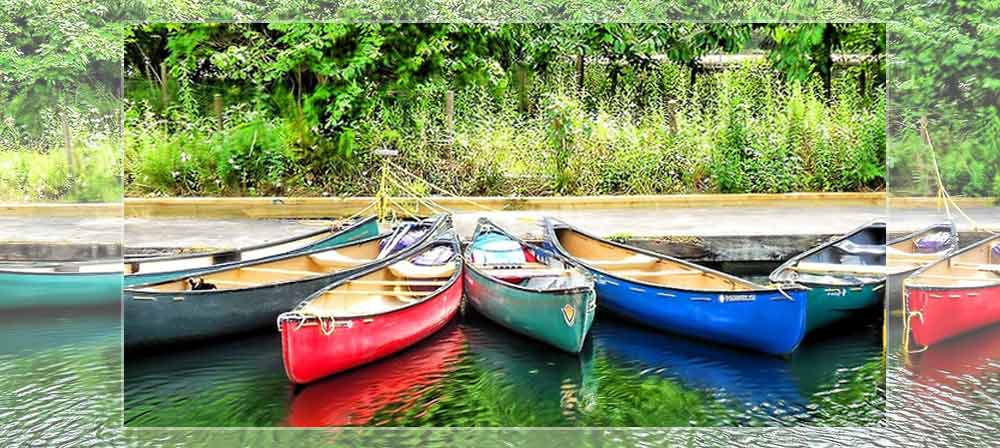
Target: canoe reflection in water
{"points": [[356, 396], [971, 355]]}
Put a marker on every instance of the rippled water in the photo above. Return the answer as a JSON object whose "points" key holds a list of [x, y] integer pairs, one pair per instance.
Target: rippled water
{"points": [[60, 377], [475, 373], [60, 384]]}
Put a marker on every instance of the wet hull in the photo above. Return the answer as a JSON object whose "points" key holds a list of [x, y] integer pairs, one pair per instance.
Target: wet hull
{"points": [[310, 353], [765, 321], [561, 318], [943, 313], [26, 290], [828, 304], [165, 318]]}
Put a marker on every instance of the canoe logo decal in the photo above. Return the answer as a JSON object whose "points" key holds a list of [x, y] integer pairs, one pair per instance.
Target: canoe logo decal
{"points": [[836, 292], [723, 298], [569, 314]]}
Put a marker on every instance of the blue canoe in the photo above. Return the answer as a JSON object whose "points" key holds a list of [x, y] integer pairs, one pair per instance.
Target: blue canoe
{"points": [[681, 297], [140, 271]]}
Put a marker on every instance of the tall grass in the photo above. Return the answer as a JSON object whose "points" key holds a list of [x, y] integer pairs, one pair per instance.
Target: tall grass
{"points": [[45, 175], [741, 130]]}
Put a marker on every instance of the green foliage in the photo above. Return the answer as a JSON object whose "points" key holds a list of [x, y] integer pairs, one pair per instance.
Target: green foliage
{"points": [[944, 68], [321, 98]]}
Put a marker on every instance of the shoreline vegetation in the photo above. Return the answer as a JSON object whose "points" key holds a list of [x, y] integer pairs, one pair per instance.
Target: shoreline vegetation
{"points": [[528, 110]]}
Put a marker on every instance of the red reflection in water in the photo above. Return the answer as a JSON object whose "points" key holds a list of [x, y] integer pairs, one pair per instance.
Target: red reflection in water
{"points": [[353, 398], [970, 354]]}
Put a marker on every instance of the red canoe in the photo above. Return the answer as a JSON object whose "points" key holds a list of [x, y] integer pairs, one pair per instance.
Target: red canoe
{"points": [[373, 314], [955, 295], [356, 396]]}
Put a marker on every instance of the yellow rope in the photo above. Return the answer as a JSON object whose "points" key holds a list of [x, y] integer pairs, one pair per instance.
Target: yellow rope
{"points": [[416, 197], [942, 193], [442, 190]]}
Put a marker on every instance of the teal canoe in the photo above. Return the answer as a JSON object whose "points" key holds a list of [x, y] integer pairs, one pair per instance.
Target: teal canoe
{"points": [[528, 289], [844, 275], [60, 284], [144, 271]]}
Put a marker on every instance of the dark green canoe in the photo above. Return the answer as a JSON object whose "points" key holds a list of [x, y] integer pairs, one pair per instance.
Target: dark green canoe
{"points": [[843, 275], [528, 289]]}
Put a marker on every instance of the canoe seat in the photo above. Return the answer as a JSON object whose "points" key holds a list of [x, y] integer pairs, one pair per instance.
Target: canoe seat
{"points": [[407, 269], [657, 273], [994, 268], [637, 261], [334, 259]]}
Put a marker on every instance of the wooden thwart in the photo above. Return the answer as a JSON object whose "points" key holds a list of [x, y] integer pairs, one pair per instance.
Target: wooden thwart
{"points": [[656, 273], [526, 272], [995, 268]]}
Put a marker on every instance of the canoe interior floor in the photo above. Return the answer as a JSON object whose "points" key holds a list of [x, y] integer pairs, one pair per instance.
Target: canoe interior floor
{"points": [[632, 265]]}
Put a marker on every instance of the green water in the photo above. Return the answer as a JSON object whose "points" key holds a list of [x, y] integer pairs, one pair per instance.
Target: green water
{"points": [[475, 373]]}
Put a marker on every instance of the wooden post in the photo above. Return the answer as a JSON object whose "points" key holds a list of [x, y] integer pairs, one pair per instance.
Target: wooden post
{"points": [[449, 112], [579, 72], [68, 140], [218, 109], [164, 98], [522, 88]]}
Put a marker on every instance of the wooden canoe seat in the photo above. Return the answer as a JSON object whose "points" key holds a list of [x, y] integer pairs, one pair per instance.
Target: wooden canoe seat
{"points": [[833, 268], [292, 272], [994, 268], [407, 269], [637, 261], [334, 259], [399, 282]]}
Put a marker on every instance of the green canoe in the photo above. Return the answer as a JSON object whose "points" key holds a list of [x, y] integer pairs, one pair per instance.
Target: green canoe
{"points": [[60, 284], [528, 289], [844, 275]]}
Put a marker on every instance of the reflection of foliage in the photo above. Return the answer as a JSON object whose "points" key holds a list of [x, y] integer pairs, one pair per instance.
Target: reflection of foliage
{"points": [[476, 396], [863, 389]]}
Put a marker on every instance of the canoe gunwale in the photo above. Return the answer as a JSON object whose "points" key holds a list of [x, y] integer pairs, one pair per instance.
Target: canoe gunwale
{"points": [[925, 230], [794, 260], [577, 266], [550, 234], [240, 250], [430, 238], [78, 263]]}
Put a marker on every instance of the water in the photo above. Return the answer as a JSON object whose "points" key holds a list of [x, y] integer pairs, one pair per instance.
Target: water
{"points": [[61, 384], [474, 373]]}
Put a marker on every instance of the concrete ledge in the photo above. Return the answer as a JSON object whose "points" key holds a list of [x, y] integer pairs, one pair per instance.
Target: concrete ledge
{"points": [[933, 202], [89, 210], [320, 207]]}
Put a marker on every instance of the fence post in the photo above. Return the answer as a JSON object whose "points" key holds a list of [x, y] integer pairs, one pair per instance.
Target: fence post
{"points": [[164, 98], [68, 140], [579, 72], [449, 112], [217, 100]]}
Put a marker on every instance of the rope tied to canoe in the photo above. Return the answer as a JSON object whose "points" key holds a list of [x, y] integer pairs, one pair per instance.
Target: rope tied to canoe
{"points": [[782, 291], [907, 316]]}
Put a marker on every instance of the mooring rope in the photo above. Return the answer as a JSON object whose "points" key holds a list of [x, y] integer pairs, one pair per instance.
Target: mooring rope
{"points": [[442, 190]]}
